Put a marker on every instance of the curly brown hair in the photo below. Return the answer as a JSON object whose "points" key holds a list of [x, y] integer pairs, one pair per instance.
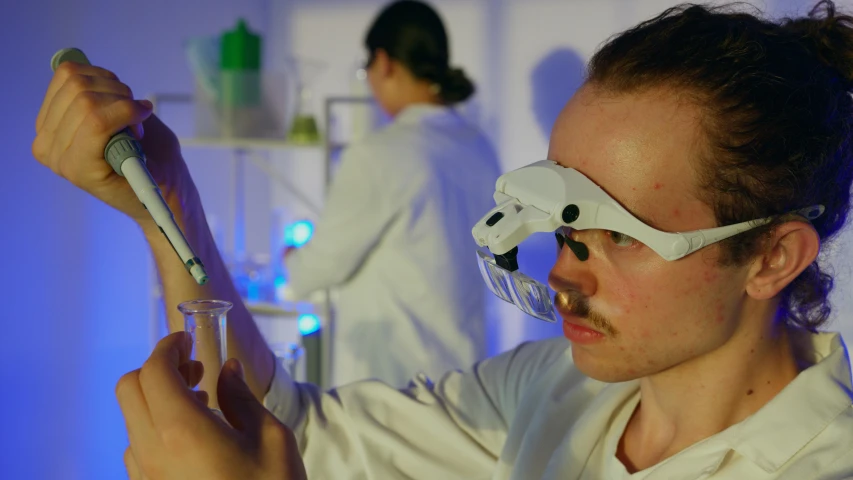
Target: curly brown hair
{"points": [[777, 112]]}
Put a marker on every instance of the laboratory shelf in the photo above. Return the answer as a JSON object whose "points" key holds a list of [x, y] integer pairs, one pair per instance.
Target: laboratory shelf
{"points": [[247, 143], [278, 309]]}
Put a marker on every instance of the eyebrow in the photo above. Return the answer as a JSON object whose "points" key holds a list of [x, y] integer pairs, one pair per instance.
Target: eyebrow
{"points": [[645, 220], [639, 217], [636, 215]]}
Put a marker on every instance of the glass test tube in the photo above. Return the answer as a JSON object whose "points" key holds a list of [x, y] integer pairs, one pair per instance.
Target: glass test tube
{"points": [[206, 321]]}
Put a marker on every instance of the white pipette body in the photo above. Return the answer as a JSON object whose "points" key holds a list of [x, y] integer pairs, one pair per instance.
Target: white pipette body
{"points": [[125, 155]]}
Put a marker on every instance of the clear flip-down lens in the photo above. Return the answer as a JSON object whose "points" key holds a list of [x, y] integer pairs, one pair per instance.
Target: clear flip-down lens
{"points": [[530, 296]]}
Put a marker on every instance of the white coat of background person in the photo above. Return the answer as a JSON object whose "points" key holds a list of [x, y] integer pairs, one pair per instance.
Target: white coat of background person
{"points": [[393, 241]]}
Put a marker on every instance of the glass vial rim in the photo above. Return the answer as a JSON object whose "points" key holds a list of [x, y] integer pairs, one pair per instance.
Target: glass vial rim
{"points": [[212, 307]]}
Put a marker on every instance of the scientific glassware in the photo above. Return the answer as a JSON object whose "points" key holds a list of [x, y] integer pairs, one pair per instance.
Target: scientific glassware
{"points": [[305, 71], [206, 321]]}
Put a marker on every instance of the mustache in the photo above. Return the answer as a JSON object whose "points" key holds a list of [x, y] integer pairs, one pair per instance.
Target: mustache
{"points": [[575, 303]]}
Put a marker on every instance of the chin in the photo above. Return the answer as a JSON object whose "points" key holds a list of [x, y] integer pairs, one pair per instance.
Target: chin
{"points": [[604, 369]]}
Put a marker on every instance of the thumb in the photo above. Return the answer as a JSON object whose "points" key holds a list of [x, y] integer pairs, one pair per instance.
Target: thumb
{"points": [[237, 402], [137, 130], [128, 112]]}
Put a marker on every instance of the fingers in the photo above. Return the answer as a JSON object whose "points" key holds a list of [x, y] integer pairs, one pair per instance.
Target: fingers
{"points": [[170, 401], [132, 467], [89, 122], [160, 386], [65, 71], [80, 110], [192, 372], [240, 407], [88, 100], [202, 397], [95, 117], [285, 446], [137, 418], [245, 413], [73, 87]]}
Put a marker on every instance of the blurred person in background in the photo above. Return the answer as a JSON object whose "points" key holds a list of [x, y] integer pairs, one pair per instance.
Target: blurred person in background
{"points": [[393, 242]]}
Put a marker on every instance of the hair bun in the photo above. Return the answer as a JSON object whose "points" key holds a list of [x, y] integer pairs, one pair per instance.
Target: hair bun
{"points": [[455, 86], [828, 36]]}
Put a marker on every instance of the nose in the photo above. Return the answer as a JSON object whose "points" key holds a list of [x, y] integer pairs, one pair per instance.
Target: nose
{"points": [[571, 271], [567, 237]]}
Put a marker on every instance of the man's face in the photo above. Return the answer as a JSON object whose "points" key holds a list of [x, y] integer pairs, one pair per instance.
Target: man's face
{"points": [[642, 149]]}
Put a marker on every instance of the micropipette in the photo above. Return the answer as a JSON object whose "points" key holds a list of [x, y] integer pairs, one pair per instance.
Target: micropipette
{"points": [[125, 155]]}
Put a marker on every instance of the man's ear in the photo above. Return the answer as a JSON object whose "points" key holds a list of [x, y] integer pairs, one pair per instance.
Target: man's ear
{"points": [[792, 247]]}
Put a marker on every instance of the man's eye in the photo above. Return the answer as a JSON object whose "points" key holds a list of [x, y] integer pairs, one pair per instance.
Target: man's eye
{"points": [[620, 239]]}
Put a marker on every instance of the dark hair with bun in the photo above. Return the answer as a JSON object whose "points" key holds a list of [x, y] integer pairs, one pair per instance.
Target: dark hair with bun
{"points": [[412, 33], [777, 114]]}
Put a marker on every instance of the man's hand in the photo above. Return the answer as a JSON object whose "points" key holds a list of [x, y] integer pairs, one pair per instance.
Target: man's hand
{"points": [[173, 435], [83, 107]]}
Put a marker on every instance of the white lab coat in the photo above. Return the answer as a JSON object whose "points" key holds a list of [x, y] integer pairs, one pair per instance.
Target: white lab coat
{"points": [[530, 414], [394, 241]]}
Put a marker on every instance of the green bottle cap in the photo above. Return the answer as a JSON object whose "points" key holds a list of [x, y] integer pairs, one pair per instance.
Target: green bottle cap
{"points": [[240, 49]]}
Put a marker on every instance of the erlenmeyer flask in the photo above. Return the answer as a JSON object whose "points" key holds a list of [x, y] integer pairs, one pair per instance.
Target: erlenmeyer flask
{"points": [[206, 321], [303, 129]]}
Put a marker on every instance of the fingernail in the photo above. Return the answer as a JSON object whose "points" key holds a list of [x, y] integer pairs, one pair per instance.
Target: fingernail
{"points": [[238, 368], [146, 103]]}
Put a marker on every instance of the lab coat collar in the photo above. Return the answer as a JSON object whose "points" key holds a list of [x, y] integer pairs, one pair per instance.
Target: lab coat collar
{"points": [[757, 438], [417, 112], [578, 444], [801, 410], [594, 423]]}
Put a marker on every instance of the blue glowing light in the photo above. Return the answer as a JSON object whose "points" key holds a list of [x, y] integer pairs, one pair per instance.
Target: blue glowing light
{"points": [[308, 324], [280, 288], [298, 233]]}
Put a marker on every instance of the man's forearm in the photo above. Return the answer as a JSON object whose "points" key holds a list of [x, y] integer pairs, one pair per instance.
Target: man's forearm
{"points": [[245, 341]]}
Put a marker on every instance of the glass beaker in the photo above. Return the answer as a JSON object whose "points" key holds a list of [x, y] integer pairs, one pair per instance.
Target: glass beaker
{"points": [[206, 321]]}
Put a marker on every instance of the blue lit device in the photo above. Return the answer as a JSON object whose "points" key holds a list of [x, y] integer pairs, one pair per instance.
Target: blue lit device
{"points": [[298, 233], [308, 324]]}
